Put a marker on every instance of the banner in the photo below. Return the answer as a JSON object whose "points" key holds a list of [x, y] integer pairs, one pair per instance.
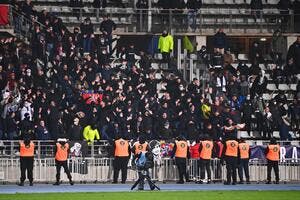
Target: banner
{"points": [[91, 97], [4, 14]]}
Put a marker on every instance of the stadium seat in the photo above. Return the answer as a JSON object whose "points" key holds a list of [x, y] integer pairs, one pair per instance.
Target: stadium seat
{"points": [[267, 97], [239, 1], [244, 134], [229, 2], [158, 56], [283, 87], [276, 134], [154, 66], [262, 66], [273, 2], [242, 57], [272, 87], [293, 87]]}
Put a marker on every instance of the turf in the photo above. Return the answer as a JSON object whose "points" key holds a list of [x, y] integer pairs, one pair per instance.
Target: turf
{"points": [[164, 195]]}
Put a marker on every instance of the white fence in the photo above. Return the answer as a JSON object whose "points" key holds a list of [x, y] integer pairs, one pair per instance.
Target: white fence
{"points": [[100, 170]]}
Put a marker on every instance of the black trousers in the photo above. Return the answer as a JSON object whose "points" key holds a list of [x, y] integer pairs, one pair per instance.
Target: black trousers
{"points": [[63, 164], [274, 165], [26, 164], [120, 163], [231, 165], [181, 165], [244, 166], [166, 58], [205, 165]]}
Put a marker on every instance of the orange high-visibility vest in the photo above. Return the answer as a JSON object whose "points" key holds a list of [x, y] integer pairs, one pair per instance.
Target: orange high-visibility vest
{"points": [[121, 149], [232, 148], [244, 150], [273, 153], [206, 152], [181, 149], [140, 147], [61, 152], [26, 151]]}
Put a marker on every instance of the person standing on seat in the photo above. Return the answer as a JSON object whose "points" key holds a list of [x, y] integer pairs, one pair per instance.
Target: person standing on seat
{"points": [[61, 156], [181, 153], [230, 154], [165, 46], [26, 161], [244, 156], [272, 155], [121, 149], [205, 150]]}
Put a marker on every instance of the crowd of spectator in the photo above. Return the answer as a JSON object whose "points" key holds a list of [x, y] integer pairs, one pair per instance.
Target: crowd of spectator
{"points": [[65, 85]]}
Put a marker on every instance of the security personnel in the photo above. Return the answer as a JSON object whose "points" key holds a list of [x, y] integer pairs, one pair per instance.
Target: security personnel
{"points": [[272, 155], [205, 150], [26, 160], [244, 156], [91, 133], [181, 153], [61, 156], [140, 146], [230, 154], [121, 151], [165, 46]]}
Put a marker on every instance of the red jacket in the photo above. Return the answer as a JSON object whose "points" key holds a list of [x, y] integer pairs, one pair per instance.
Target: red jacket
{"points": [[194, 151]]}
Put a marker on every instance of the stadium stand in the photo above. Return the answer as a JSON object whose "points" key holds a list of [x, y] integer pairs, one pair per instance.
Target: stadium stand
{"points": [[61, 75]]}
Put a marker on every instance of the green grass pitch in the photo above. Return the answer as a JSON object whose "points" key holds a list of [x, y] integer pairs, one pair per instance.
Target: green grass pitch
{"points": [[159, 195]]}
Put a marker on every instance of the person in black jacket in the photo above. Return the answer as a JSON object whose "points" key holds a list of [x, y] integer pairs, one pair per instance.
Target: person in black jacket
{"points": [[75, 131], [142, 6], [106, 27], [193, 6], [294, 53], [284, 6], [256, 9], [87, 31], [296, 8]]}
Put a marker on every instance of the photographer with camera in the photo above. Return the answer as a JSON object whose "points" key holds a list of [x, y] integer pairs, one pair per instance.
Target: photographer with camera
{"points": [[144, 161], [140, 146]]}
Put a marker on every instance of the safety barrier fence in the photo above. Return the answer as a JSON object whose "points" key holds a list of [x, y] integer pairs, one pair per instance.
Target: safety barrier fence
{"points": [[45, 148], [179, 20], [100, 170], [151, 20]]}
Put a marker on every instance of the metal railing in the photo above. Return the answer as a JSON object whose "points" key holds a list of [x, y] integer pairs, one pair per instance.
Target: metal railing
{"points": [[45, 149], [179, 20], [22, 24], [94, 170]]}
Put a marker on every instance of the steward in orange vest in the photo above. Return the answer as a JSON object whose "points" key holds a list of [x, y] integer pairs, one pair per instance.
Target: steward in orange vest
{"points": [[272, 155], [26, 161], [121, 149], [205, 150], [230, 154], [244, 156], [140, 146], [181, 153], [62, 150]]}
